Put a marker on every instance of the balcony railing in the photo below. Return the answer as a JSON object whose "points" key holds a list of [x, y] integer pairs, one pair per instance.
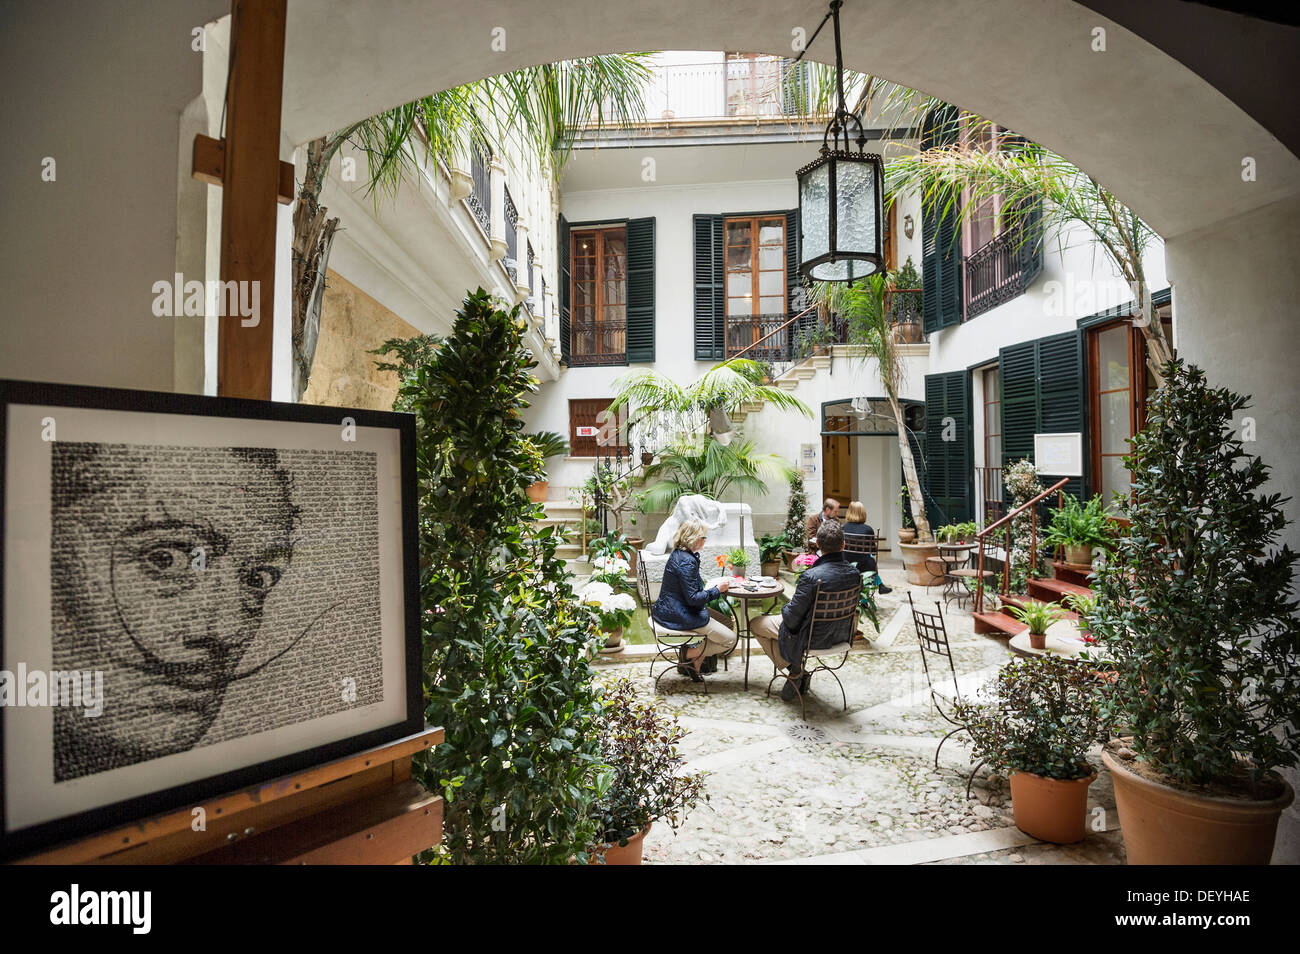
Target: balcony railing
{"points": [[739, 88], [480, 200], [754, 335], [994, 273], [512, 238], [903, 306], [991, 508], [597, 343]]}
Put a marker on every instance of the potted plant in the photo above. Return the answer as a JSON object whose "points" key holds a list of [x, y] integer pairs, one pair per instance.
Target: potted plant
{"points": [[957, 532], [616, 546], [733, 562], [549, 444], [613, 611], [1037, 616], [1194, 607], [1043, 716], [796, 516], [1085, 605], [770, 548], [1078, 528], [640, 781]]}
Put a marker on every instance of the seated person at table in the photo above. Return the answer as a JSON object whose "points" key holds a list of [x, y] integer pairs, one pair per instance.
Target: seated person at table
{"points": [[830, 511], [683, 602], [855, 525], [782, 636]]}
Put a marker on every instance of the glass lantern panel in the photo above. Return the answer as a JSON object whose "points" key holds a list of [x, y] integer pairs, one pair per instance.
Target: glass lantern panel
{"points": [[814, 211]]}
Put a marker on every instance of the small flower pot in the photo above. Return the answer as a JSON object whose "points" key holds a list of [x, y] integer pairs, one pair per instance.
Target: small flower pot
{"points": [[647, 458], [1078, 554], [537, 491], [1037, 640], [629, 854], [1050, 809], [613, 641], [770, 568], [906, 535]]}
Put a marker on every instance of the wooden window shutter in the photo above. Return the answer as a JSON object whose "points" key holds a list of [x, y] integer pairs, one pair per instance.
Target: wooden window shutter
{"points": [[566, 282], [1042, 393], [641, 289], [710, 303], [941, 284], [949, 473]]}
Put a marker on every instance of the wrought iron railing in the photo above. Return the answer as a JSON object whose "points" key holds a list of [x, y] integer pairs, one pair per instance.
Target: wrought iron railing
{"points": [[480, 200], [512, 239], [903, 307], [1003, 525], [597, 343], [758, 337], [993, 273]]}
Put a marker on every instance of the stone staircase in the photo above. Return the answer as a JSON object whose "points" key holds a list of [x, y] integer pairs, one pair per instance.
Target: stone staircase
{"points": [[562, 513], [787, 380], [1066, 578]]}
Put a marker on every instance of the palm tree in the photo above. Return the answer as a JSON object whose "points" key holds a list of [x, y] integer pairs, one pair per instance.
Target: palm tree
{"points": [[1039, 190], [862, 307], [542, 106], [710, 468]]}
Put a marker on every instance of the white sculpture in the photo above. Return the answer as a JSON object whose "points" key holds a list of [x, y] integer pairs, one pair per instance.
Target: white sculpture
{"points": [[689, 507]]}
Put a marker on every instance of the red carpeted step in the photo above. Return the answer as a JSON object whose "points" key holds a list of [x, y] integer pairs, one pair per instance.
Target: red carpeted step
{"points": [[1051, 591], [998, 623]]}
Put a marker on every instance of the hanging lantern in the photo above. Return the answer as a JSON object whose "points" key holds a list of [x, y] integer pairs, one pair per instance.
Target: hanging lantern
{"points": [[841, 197]]}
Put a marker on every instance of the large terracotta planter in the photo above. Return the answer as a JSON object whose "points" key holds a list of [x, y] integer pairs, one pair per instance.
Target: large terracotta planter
{"points": [[1050, 809], [537, 491], [770, 568], [629, 854], [1078, 555], [1163, 825], [914, 562]]}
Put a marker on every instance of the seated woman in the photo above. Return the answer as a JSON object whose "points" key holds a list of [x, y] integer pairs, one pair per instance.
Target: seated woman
{"points": [[684, 601], [855, 525]]}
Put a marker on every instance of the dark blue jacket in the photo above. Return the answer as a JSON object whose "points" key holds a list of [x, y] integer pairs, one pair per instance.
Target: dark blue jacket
{"points": [[865, 561], [834, 573], [683, 601]]}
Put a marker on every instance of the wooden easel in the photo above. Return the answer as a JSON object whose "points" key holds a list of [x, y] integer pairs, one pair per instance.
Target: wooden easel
{"points": [[360, 809]]}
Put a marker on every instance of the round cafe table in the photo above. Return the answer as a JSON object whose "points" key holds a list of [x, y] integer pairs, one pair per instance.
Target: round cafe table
{"points": [[1063, 639], [741, 614]]}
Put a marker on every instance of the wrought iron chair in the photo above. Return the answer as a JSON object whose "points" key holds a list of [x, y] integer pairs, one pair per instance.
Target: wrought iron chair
{"points": [[861, 544], [829, 607], [957, 574], [667, 639], [932, 635]]}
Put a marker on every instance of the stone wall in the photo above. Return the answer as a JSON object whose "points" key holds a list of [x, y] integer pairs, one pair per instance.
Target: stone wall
{"points": [[344, 373]]}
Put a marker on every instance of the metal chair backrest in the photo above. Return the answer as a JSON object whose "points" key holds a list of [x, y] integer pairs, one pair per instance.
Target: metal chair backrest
{"points": [[642, 581], [830, 607], [859, 544], [932, 635]]}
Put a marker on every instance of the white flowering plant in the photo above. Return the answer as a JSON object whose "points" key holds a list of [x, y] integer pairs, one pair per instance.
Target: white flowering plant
{"points": [[610, 569], [612, 609]]}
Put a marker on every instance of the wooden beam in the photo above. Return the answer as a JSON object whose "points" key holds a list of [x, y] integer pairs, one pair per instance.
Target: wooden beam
{"points": [[248, 201], [209, 165]]}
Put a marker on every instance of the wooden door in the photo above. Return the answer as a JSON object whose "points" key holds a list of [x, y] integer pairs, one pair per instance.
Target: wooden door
{"points": [[837, 468]]}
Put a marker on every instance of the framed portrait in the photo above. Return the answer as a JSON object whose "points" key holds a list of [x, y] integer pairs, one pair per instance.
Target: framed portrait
{"points": [[197, 595]]}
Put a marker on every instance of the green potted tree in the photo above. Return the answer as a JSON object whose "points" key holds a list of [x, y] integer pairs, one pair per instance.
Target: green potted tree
{"points": [[1043, 716], [795, 517], [1078, 528], [640, 781], [548, 444], [1037, 616], [771, 546], [1194, 607]]}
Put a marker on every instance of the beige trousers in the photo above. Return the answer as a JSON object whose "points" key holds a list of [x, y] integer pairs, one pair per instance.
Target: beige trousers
{"points": [[718, 637], [767, 630]]}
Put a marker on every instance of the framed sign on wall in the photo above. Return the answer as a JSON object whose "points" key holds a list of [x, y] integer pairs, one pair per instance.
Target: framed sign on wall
{"points": [[1059, 455], [197, 595]]}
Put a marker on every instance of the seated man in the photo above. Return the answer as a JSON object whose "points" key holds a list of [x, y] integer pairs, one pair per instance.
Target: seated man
{"points": [[830, 511], [782, 636]]}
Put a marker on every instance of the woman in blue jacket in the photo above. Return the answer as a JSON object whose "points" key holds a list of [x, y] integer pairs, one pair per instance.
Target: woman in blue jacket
{"points": [[684, 601]]}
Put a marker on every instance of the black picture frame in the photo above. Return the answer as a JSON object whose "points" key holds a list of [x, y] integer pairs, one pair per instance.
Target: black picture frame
{"points": [[28, 840]]}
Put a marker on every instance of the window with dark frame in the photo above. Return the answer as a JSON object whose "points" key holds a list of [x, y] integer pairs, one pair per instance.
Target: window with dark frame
{"points": [[591, 427], [756, 278], [598, 321]]}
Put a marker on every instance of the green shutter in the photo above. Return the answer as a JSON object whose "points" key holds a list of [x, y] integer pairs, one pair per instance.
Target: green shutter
{"points": [[1042, 393], [941, 284], [949, 474], [710, 302], [562, 241], [641, 289]]}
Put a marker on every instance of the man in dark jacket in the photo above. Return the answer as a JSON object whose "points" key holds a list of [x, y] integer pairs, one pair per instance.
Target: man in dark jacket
{"points": [[830, 511], [782, 637]]}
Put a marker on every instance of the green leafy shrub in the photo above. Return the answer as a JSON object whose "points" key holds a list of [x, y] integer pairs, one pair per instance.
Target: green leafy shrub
{"points": [[641, 781], [1036, 615], [506, 643], [1040, 716], [771, 546], [1079, 524], [1195, 605], [549, 443]]}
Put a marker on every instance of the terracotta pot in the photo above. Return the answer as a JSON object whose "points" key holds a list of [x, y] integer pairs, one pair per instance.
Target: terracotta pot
{"points": [[647, 458], [1037, 640], [789, 556], [770, 568], [629, 854], [1050, 809], [537, 490], [1078, 554], [919, 573], [614, 641], [1164, 825], [906, 535]]}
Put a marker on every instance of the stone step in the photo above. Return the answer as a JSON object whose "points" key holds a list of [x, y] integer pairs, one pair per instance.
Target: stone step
{"points": [[804, 372], [787, 384], [752, 407]]}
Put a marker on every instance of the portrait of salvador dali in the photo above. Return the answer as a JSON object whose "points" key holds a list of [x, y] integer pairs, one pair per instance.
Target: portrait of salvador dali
{"points": [[221, 591]]}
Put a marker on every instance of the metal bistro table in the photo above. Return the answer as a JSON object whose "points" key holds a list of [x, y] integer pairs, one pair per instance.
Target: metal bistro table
{"points": [[741, 612]]}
